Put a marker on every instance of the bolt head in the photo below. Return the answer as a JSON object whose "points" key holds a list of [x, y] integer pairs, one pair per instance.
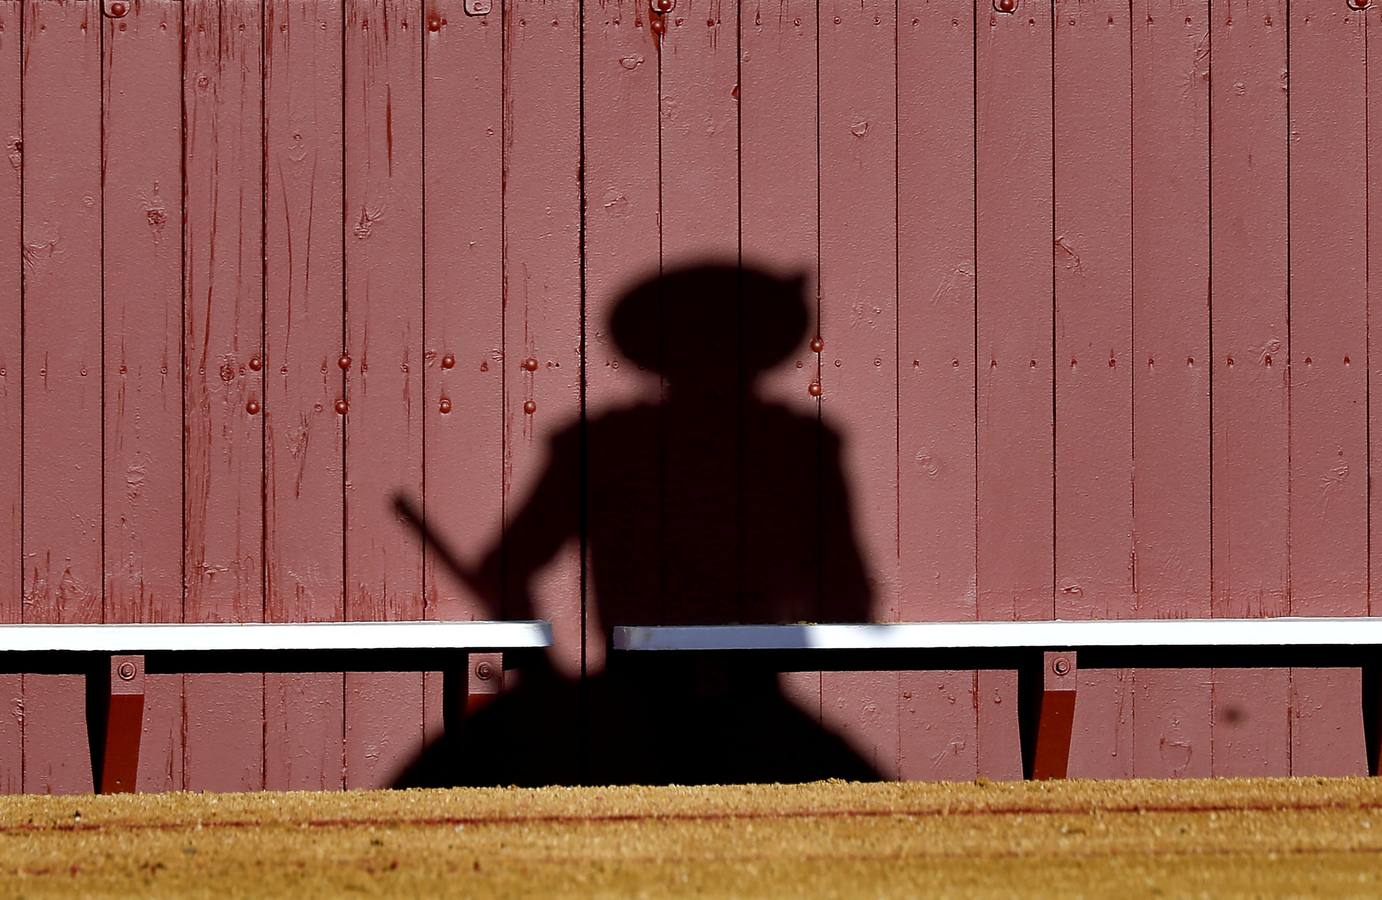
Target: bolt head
{"points": [[1060, 665], [484, 671], [1005, 6], [118, 10], [817, 345], [448, 361], [341, 407], [126, 671], [343, 362], [444, 405], [252, 407], [530, 364], [529, 407], [256, 364], [662, 7], [814, 389]]}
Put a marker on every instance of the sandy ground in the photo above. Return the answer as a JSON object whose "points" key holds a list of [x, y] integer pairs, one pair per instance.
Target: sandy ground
{"points": [[1071, 839]]}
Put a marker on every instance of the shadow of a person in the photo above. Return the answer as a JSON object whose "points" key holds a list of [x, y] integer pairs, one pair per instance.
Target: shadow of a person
{"points": [[710, 506]]}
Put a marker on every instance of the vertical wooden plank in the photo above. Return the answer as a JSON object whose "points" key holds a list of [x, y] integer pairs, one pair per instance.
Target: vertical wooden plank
{"points": [[1093, 264], [303, 325], [62, 351], [1250, 394], [858, 313], [464, 316], [383, 266], [623, 240], [1328, 374], [1373, 45], [622, 247], [699, 121], [1170, 171], [223, 353], [11, 388], [935, 370], [142, 258], [779, 233], [542, 289], [1014, 352]]}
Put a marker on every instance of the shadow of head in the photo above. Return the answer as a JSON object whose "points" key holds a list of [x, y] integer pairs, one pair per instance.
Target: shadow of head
{"points": [[701, 323]]}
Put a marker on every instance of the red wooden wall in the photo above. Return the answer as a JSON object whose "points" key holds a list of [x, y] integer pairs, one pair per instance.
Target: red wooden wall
{"points": [[1092, 280]]}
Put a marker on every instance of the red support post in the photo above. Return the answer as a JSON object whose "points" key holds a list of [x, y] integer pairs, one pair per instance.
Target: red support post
{"points": [[1047, 714], [115, 721]]}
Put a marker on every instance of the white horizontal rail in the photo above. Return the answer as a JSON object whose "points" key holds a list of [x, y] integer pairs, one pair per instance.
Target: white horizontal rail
{"points": [[256, 636], [1282, 632]]}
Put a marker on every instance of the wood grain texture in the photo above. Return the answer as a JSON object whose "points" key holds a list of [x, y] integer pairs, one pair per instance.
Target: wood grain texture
{"points": [[1172, 720], [384, 384], [1250, 393], [463, 316], [11, 388], [779, 232], [142, 260], [304, 339], [623, 244], [1328, 383], [222, 334], [1094, 369], [858, 322], [542, 294], [1373, 173], [1014, 234], [935, 372], [62, 351]]}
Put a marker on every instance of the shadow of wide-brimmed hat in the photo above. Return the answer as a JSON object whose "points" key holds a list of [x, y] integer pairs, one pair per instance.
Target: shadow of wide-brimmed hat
{"points": [[674, 319]]}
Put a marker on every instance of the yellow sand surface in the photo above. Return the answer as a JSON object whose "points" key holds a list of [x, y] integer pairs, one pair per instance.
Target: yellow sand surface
{"points": [[1070, 839]]}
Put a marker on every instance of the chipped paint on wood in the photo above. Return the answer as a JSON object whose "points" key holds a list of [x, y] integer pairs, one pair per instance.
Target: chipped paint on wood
{"points": [[223, 390], [304, 453], [384, 383], [142, 260], [11, 388], [62, 363]]}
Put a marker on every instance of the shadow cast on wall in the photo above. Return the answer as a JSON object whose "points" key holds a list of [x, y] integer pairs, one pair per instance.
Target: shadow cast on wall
{"points": [[706, 504]]}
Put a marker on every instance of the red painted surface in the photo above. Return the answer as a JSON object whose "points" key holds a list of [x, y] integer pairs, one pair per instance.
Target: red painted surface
{"points": [[463, 271], [62, 364], [935, 372], [857, 129], [142, 257], [11, 390], [384, 383], [1015, 452], [1172, 721], [304, 241], [283, 262], [1250, 400], [223, 324], [1329, 391], [1093, 371], [541, 296], [779, 229]]}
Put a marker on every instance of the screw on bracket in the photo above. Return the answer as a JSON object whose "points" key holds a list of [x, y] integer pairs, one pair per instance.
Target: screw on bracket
{"points": [[126, 671], [1060, 665], [484, 671]]}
